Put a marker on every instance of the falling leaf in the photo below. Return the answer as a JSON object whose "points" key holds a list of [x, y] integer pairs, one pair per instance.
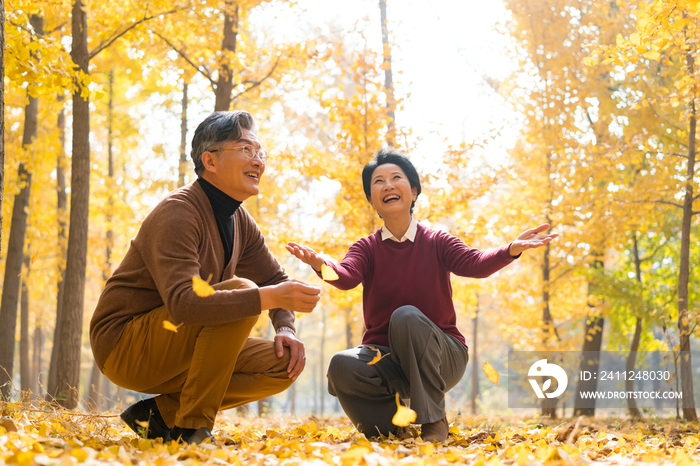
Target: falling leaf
{"points": [[143, 424], [167, 325], [378, 357], [404, 416], [328, 273], [201, 287], [34, 256], [490, 372]]}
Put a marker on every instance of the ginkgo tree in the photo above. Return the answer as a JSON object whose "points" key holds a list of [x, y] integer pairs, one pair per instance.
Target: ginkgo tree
{"points": [[38, 65], [659, 56]]}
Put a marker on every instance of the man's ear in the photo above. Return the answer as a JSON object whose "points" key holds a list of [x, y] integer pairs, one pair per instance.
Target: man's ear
{"points": [[210, 161]]}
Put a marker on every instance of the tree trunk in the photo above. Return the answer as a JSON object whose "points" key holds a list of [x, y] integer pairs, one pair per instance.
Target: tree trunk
{"points": [[224, 84], [13, 270], [37, 363], [689, 412], [474, 359], [243, 410], [631, 362], [61, 211], [93, 399], [95, 379], [321, 373], [105, 394], [264, 407], [293, 400], [388, 78], [549, 405], [632, 357], [592, 341], [2, 113], [15, 247], [26, 382], [107, 271], [68, 364], [182, 167], [348, 327]]}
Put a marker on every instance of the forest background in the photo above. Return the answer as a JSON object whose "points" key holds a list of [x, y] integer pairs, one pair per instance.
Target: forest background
{"points": [[581, 114]]}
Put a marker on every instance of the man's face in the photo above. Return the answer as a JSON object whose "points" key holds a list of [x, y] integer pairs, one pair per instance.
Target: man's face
{"points": [[232, 171]]}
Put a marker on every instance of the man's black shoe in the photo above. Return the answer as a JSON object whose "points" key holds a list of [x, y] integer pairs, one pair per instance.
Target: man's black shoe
{"points": [[145, 419], [184, 435]]}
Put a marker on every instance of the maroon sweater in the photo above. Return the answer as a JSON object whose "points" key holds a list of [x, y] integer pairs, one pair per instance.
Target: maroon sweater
{"points": [[412, 273]]}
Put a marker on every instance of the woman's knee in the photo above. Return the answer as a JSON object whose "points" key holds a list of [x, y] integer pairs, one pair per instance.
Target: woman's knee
{"points": [[343, 367], [405, 316], [337, 366]]}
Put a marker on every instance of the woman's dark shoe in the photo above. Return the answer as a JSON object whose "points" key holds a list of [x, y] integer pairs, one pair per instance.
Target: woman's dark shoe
{"points": [[184, 435], [144, 418], [435, 431]]}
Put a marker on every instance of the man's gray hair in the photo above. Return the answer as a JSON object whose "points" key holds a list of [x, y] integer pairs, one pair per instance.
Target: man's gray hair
{"points": [[217, 129]]}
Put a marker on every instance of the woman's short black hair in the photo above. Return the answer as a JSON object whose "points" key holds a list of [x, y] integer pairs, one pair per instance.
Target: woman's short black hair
{"points": [[397, 158]]}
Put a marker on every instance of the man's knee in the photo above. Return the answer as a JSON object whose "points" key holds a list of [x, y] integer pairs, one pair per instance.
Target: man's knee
{"points": [[236, 283]]}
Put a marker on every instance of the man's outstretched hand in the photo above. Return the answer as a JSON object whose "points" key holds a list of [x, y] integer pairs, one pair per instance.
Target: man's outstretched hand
{"points": [[531, 239], [297, 361], [292, 295]]}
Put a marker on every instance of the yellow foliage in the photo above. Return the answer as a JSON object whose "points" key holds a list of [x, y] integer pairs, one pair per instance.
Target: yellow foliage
{"points": [[201, 287], [378, 357], [404, 416], [167, 325], [490, 372], [51, 436], [328, 273]]}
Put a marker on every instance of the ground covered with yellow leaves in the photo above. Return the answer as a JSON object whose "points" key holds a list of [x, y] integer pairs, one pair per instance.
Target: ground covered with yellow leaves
{"points": [[45, 436]]}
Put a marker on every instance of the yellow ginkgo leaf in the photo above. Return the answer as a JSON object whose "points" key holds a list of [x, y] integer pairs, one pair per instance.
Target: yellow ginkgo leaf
{"points": [[378, 357], [143, 424], [490, 372], [167, 325], [404, 416], [328, 273], [201, 287], [34, 256]]}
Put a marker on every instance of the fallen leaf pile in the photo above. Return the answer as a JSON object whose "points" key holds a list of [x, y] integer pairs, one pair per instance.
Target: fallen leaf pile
{"points": [[51, 436]]}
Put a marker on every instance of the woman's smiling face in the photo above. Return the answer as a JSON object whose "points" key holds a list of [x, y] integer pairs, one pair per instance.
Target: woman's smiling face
{"points": [[391, 192]]}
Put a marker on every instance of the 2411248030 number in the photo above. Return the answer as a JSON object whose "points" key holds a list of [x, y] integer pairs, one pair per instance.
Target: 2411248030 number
{"points": [[635, 375]]}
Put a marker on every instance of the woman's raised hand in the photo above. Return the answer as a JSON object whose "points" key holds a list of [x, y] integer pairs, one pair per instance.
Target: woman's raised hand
{"points": [[306, 255], [530, 239]]}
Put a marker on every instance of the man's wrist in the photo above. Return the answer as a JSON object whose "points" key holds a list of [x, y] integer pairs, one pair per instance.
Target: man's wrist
{"points": [[287, 329]]}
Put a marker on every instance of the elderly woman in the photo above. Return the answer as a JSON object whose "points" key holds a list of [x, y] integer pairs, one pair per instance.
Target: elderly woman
{"points": [[405, 268]]}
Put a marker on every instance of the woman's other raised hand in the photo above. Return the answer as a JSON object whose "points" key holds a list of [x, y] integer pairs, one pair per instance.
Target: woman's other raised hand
{"points": [[530, 239]]}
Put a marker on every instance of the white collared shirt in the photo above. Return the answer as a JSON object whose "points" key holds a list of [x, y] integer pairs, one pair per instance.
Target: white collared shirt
{"points": [[410, 234]]}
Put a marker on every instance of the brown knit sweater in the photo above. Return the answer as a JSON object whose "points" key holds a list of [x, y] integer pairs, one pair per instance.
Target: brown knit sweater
{"points": [[179, 239]]}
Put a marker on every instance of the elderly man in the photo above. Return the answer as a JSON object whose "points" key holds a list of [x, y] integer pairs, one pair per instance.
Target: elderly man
{"points": [[209, 363]]}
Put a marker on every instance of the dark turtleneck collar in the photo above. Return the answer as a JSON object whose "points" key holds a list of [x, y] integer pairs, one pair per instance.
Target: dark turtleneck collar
{"points": [[223, 205]]}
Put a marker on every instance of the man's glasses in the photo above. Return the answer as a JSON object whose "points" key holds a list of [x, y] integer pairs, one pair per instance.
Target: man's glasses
{"points": [[248, 151]]}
